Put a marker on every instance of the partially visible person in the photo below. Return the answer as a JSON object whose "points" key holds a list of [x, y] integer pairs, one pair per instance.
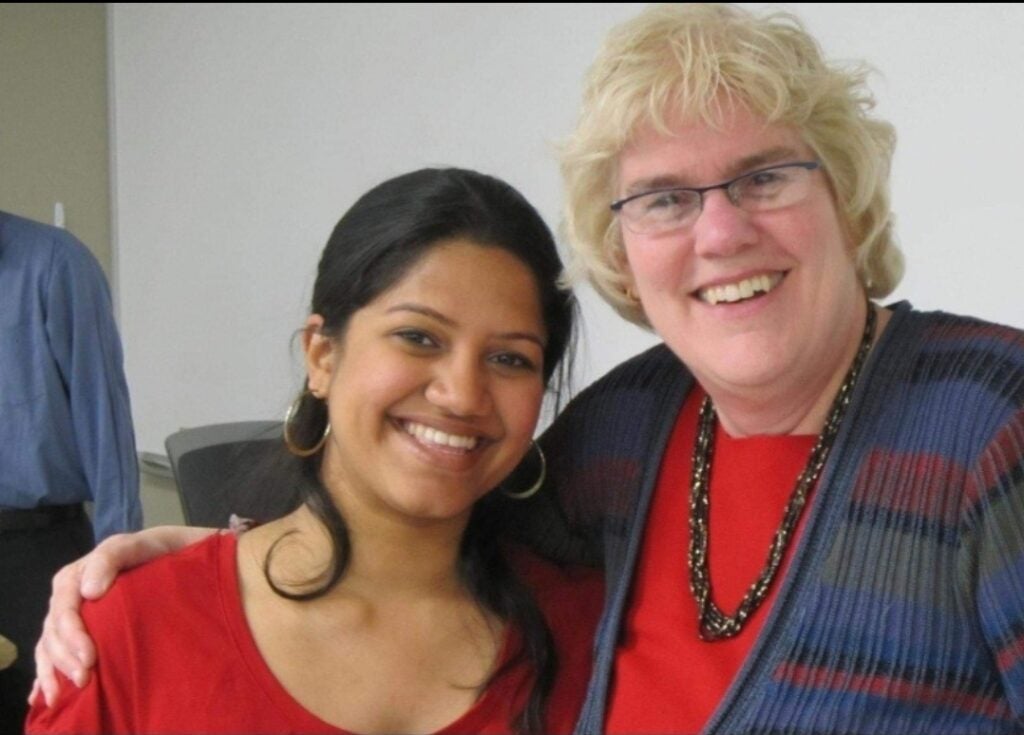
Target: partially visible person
{"points": [[389, 600], [66, 433]]}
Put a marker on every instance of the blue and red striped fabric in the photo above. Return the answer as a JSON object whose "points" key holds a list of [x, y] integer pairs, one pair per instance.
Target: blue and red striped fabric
{"points": [[903, 607]]}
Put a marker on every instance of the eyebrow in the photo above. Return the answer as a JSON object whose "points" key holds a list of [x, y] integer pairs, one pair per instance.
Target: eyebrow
{"points": [[738, 168], [447, 321]]}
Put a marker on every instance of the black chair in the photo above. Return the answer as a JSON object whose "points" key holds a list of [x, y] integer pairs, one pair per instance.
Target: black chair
{"points": [[239, 468]]}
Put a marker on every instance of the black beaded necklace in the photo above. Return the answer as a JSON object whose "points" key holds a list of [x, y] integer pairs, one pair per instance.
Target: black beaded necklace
{"points": [[713, 623]]}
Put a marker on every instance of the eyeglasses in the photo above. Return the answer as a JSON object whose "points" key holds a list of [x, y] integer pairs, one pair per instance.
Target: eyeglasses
{"points": [[663, 210]]}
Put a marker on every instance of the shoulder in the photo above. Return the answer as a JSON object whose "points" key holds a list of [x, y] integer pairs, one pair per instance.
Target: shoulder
{"points": [[958, 336], [607, 434], [948, 326], [27, 240], [566, 594], [158, 626], [52, 259], [944, 385], [962, 355], [624, 402], [163, 614], [168, 588], [648, 369]]}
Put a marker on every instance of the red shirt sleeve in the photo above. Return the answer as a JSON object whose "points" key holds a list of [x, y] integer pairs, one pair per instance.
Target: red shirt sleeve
{"points": [[99, 707]]}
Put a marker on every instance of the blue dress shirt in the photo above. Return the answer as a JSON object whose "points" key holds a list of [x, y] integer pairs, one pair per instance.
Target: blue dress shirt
{"points": [[65, 421]]}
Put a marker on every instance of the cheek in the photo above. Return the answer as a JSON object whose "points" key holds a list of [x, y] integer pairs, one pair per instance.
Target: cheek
{"points": [[826, 246], [820, 236], [660, 269], [656, 264], [366, 388]]}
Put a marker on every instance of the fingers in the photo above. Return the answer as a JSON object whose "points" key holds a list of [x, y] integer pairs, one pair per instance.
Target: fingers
{"points": [[46, 682], [65, 645], [64, 639], [99, 568], [125, 550]]}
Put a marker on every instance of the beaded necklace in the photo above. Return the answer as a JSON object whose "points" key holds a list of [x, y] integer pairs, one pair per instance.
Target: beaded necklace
{"points": [[713, 623]]}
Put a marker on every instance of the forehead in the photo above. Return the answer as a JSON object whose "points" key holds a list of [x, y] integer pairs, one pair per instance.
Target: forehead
{"points": [[470, 283], [696, 153]]}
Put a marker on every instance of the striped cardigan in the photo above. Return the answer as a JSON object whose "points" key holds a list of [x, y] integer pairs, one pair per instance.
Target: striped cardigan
{"points": [[903, 608]]}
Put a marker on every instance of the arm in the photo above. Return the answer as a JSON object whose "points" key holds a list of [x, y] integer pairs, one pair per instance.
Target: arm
{"points": [[552, 522], [85, 346], [65, 645], [583, 493], [603, 453], [994, 564]]}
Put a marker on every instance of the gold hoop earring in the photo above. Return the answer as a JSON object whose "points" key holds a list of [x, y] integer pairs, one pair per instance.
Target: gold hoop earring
{"points": [[532, 490], [288, 442]]}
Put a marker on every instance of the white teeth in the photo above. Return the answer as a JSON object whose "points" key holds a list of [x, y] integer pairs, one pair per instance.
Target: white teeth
{"points": [[732, 292], [430, 435]]}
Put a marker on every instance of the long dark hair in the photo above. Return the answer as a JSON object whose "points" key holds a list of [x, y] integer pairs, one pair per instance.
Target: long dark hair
{"points": [[376, 242]]}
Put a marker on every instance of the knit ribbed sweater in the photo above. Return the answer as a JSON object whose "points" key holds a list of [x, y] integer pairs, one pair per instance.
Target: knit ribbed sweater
{"points": [[903, 608]]}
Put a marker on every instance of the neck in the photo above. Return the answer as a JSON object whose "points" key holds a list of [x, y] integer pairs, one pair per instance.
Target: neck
{"points": [[387, 559], [398, 559], [798, 404]]}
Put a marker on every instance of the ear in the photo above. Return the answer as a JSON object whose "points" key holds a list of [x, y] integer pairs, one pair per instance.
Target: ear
{"points": [[622, 265], [319, 351]]}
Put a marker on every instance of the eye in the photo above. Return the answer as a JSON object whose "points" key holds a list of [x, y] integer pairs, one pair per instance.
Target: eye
{"points": [[764, 183], [416, 338], [666, 201], [514, 361]]}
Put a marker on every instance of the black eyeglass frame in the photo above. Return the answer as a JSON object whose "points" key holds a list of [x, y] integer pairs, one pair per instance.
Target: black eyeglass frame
{"points": [[702, 190]]}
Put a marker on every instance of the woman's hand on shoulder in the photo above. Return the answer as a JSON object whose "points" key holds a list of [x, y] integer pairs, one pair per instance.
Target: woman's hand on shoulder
{"points": [[65, 644]]}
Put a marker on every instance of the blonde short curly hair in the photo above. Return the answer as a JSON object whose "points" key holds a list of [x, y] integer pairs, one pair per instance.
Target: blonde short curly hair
{"points": [[681, 61]]}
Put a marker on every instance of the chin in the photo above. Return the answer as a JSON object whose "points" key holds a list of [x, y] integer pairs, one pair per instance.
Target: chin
{"points": [[745, 371], [436, 509], [746, 358]]}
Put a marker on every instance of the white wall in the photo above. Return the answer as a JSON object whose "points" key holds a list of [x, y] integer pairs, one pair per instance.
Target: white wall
{"points": [[242, 132]]}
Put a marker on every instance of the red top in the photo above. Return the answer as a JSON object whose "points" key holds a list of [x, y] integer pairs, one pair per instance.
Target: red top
{"points": [[667, 680], [176, 655]]}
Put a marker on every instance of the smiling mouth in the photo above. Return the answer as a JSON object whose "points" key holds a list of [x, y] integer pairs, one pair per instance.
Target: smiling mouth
{"points": [[436, 438], [748, 288]]}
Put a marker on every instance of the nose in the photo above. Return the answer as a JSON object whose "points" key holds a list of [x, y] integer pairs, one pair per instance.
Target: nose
{"points": [[721, 228], [459, 386]]}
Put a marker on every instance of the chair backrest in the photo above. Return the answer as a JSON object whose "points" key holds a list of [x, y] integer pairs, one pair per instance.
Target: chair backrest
{"points": [[222, 469]]}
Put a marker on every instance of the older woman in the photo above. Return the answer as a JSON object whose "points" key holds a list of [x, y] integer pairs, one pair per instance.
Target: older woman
{"points": [[809, 508]]}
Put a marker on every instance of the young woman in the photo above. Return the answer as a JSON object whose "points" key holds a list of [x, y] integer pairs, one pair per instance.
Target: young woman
{"points": [[387, 601]]}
